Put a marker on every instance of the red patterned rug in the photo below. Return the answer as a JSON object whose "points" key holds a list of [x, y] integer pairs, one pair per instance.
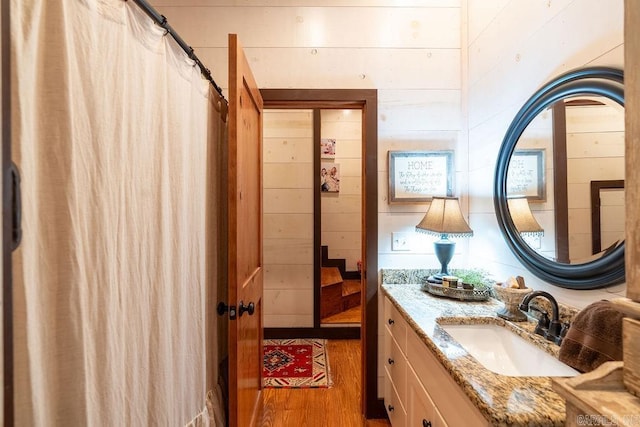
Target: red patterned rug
{"points": [[296, 363]]}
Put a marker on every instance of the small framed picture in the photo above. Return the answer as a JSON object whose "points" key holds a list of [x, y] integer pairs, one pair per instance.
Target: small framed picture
{"points": [[526, 175], [328, 148], [330, 177], [417, 176]]}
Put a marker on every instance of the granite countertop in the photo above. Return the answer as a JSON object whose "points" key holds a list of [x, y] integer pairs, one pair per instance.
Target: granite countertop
{"points": [[503, 400]]}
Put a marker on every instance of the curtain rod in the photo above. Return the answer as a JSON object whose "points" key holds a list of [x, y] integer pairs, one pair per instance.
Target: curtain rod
{"points": [[161, 20]]}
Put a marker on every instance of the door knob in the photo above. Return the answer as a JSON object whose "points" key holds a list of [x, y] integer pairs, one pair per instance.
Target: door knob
{"points": [[223, 308], [251, 308]]}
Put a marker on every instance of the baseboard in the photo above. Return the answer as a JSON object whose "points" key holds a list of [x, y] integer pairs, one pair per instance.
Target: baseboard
{"points": [[377, 411], [339, 333]]}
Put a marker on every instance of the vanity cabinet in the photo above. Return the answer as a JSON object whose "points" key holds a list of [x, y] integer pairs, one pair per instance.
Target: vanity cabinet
{"points": [[395, 365], [422, 412], [418, 391]]}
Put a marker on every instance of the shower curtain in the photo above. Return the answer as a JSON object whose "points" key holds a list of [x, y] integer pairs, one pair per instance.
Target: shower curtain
{"points": [[112, 136]]}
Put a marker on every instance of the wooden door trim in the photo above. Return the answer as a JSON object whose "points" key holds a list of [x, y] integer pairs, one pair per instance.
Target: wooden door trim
{"points": [[317, 219], [7, 223], [367, 101], [596, 186], [560, 203]]}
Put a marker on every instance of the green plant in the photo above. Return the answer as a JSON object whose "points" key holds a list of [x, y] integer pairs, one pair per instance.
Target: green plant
{"points": [[476, 277]]}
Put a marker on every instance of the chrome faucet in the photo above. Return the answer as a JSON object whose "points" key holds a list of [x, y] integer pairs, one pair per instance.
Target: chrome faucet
{"points": [[552, 330]]}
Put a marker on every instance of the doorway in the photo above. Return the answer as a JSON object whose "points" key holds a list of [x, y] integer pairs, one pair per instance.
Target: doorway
{"points": [[340, 216], [365, 101], [312, 185]]}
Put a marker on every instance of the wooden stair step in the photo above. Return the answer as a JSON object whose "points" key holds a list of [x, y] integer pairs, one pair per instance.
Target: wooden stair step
{"points": [[350, 287], [351, 294], [331, 300], [330, 276], [336, 294], [330, 291]]}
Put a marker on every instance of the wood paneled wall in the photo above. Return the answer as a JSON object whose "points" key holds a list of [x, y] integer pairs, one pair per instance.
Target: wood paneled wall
{"points": [[595, 151], [514, 47], [288, 218], [410, 52]]}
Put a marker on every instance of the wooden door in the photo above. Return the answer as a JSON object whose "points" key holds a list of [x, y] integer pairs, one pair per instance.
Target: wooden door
{"points": [[245, 240]]}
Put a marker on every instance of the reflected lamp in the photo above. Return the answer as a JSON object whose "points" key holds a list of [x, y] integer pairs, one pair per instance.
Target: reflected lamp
{"points": [[523, 218], [444, 218]]}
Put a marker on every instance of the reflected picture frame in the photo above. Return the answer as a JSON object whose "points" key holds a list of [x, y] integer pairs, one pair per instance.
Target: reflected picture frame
{"points": [[526, 175]]}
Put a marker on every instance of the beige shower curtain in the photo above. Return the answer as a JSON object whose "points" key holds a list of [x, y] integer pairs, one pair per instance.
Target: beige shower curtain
{"points": [[110, 126]]}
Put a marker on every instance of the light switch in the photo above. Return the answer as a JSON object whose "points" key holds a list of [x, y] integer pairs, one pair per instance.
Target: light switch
{"points": [[400, 241]]}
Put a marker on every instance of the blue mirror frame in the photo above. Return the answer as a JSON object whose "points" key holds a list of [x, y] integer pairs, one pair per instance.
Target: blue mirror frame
{"points": [[605, 271]]}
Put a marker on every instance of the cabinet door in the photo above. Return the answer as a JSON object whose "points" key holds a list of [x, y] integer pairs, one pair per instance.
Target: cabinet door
{"points": [[421, 412], [392, 403], [395, 364], [451, 401], [396, 324]]}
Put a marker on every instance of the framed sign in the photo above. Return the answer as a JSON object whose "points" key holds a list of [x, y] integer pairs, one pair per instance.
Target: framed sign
{"points": [[417, 176], [526, 175]]}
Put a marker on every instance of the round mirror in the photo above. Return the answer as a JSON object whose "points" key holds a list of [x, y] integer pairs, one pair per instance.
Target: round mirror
{"points": [[559, 181]]}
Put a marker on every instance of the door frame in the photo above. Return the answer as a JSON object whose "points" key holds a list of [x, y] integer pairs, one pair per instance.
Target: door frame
{"points": [[596, 187], [560, 202], [7, 222], [367, 101]]}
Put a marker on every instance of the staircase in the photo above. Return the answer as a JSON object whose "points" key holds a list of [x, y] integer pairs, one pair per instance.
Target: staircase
{"points": [[330, 292], [340, 290]]}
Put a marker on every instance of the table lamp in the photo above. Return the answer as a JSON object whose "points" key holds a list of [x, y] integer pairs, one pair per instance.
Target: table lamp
{"points": [[523, 218], [444, 218]]}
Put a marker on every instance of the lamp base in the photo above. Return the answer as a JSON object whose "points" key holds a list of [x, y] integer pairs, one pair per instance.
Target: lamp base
{"points": [[444, 249], [434, 279]]}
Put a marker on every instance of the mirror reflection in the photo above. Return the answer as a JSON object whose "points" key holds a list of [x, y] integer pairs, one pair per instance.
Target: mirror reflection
{"points": [[568, 165]]}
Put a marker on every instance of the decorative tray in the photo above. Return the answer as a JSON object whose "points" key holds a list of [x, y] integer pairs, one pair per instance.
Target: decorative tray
{"points": [[475, 294]]}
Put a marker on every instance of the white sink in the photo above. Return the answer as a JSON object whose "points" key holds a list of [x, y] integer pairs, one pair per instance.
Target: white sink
{"points": [[505, 353]]}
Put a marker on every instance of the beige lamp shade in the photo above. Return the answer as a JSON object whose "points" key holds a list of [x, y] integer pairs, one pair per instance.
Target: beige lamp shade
{"points": [[522, 217], [444, 217]]}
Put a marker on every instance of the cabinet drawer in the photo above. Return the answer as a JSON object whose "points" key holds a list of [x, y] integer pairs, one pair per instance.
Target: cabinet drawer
{"points": [[421, 411], [392, 404], [395, 364], [396, 324], [452, 403]]}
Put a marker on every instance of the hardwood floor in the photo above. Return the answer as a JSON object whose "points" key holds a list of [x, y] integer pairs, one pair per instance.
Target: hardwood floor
{"points": [[329, 407], [353, 315]]}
